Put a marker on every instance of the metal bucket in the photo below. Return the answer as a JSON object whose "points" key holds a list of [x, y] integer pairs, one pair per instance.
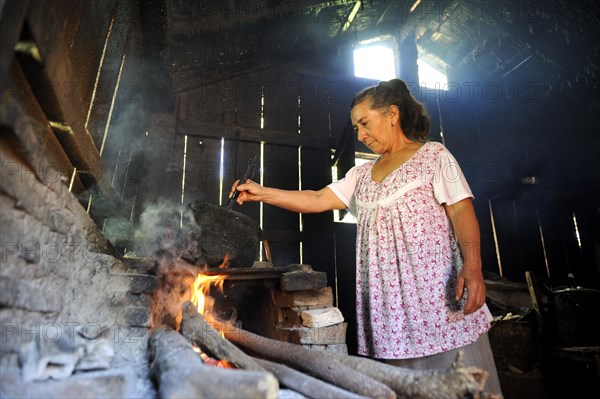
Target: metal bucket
{"points": [[575, 314]]}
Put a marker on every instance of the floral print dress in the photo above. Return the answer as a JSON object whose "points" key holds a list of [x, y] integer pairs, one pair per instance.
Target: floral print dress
{"points": [[407, 257]]}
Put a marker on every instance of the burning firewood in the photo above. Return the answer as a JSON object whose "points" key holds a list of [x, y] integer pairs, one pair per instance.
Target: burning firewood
{"points": [[456, 382], [304, 359], [179, 372], [202, 334]]}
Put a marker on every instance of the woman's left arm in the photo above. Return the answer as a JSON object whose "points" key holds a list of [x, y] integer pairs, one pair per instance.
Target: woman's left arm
{"points": [[466, 228]]}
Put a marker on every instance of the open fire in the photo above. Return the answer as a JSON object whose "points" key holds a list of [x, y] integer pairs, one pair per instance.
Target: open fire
{"points": [[204, 304], [291, 300], [200, 289]]}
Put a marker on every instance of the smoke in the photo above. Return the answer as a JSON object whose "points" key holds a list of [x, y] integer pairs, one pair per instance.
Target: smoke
{"points": [[168, 232], [175, 286]]}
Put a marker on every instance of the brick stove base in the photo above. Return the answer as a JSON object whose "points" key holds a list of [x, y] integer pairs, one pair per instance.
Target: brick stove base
{"points": [[292, 304]]}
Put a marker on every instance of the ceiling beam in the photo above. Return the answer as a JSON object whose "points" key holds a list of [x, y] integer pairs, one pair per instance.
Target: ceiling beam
{"points": [[187, 22]]}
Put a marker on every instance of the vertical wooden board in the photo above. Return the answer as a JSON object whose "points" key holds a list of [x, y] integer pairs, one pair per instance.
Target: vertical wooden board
{"points": [[204, 104], [316, 168], [507, 236], [317, 227], [339, 107], [129, 97], [314, 112], [230, 112], [133, 174], [202, 167], [281, 95], [488, 247], [235, 162], [120, 43], [281, 171], [246, 93], [70, 12], [163, 164], [588, 226], [87, 46], [345, 263], [125, 118], [529, 241], [459, 122], [564, 254], [116, 158], [338, 96], [434, 117]]}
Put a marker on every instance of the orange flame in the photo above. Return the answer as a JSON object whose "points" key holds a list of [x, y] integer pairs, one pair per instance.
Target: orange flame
{"points": [[209, 361], [225, 263], [201, 287], [199, 298]]}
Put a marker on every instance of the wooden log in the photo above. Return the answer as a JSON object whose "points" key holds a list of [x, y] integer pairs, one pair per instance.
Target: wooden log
{"points": [[197, 330], [305, 384], [179, 372], [309, 361], [456, 382]]}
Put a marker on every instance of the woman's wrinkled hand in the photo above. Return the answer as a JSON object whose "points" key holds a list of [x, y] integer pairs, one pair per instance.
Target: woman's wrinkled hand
{"points": [[471, 279], [247, 192]]}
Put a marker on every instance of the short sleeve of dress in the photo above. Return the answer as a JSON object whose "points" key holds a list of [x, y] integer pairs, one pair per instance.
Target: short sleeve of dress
{"points": [[449, 183], [344, 190]]}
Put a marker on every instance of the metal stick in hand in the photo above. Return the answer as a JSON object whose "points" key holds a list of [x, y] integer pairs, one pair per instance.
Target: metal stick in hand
{"points": [[248, 174]]}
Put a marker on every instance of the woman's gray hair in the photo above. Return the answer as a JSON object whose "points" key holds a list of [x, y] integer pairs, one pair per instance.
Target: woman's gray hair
{"points": [[414, 119]]}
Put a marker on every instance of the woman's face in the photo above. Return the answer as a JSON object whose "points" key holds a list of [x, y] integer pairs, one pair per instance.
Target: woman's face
{"points": [[374, 127]]}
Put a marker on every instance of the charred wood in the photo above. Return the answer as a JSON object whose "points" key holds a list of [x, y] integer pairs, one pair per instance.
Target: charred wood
{"points": [[309, 361], [197, 330], [305, 384], [179, 372]]}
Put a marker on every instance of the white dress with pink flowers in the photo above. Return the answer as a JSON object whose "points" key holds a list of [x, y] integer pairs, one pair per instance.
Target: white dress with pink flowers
{"points": [[407, 257]]}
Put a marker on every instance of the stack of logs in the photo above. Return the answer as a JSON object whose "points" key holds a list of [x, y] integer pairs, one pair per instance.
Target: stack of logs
{"points": [[263, 364], [291, 359]]}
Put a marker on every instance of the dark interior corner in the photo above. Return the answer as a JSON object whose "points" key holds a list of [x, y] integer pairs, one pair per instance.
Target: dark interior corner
{"points": [[124, 123]]}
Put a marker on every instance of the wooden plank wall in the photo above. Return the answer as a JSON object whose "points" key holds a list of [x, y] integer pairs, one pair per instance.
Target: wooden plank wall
{"points": [[481, 135], [88, 82], [301, 116]]}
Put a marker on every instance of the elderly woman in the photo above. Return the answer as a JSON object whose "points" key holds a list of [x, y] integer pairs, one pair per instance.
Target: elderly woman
{"points": [[420, 290]]}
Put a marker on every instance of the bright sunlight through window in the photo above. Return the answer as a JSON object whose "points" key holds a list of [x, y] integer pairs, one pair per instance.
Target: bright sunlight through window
{"points": [[430, 77], [374, 62], [348, 218]]}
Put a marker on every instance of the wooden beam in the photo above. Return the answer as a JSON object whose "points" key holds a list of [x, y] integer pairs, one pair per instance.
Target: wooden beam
{"points": [[188, 23], [12, 15], [425, 12], [41, 147], [65, 107], [194, 128]]}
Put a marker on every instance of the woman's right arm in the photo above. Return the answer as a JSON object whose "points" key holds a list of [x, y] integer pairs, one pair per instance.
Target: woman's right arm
{"points": [[305, 201]]}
